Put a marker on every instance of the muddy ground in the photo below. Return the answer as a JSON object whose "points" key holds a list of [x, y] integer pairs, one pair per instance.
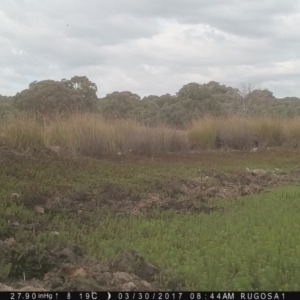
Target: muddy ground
{"points": [[68, 269]]}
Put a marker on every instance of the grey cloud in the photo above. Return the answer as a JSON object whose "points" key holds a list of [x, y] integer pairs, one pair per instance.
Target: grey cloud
{"points": [[134, 45], [246, 18]]}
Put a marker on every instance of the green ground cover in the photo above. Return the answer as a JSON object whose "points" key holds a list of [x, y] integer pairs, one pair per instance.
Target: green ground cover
{"points": [[250, 245]]}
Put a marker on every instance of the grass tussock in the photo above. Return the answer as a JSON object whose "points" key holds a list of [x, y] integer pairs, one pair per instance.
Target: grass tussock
{"points": [[24, 134], [270, 131], [203, 133], [292, 133], [92, 135], [233, 132], [236, 133]]}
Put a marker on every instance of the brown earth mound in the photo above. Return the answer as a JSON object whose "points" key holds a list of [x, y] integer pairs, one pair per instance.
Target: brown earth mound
{"points": [[192, 194], [67, 270]]}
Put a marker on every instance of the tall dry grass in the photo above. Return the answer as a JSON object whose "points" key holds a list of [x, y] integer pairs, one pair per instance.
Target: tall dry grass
{"points": [[270, 131], [237, 132], [291, 129], [203, 133], [91, 135], [214, 132], [23, 134]]}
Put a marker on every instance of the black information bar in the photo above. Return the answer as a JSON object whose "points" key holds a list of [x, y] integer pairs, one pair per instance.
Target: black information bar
{"points": [[149, 295]]}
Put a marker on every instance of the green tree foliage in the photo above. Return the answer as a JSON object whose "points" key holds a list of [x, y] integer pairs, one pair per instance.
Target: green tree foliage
{"points": [[199, 98], [194, 91], [85, 88], [146, 111], [7, 111], [154, 109], [119, 104], [6, 99], [218, 89], [192, 101], [255, 101], [286, 107], [260, 101], [195, 100], [49, 96]]}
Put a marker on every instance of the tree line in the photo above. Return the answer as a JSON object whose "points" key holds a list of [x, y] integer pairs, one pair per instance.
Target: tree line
{"points": [[192, 101]]}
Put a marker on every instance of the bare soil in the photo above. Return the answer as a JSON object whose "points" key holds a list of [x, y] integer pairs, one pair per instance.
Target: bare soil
{"points": [[68, 270], [192, 195]]}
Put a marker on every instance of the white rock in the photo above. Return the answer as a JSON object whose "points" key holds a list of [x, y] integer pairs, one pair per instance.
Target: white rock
{"points": [[5, 288], [39, 209], [122, 277], [15, 195], [129, 286], [55, 149]]}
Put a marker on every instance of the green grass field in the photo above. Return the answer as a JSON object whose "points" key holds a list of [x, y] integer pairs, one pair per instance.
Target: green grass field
{"points": [[251, 244]]}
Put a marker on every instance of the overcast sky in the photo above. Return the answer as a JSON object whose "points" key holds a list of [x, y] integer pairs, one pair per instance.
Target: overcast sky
{"points": [[151, 47]]}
